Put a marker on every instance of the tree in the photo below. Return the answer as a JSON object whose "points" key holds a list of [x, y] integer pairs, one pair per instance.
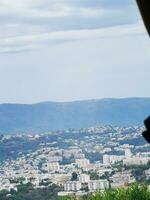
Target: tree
{"points": [[94, 176], [74, 176]]}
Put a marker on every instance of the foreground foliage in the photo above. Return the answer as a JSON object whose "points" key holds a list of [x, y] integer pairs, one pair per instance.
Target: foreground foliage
{"points": [[27, 192], [133, 192]]}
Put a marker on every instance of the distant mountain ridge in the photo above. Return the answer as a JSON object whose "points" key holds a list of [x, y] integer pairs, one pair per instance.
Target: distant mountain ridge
{"points": [[48, 116]]}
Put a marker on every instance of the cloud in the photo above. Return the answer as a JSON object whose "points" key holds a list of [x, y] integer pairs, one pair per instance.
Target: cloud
{"points": [[52, 9], [29, 24], [46, 11], [31, 42]]}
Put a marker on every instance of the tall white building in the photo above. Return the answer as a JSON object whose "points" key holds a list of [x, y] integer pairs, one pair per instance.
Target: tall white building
{"points": [[84, 178], [112, 159], [72, 186], [82, 162], [128, 153], [106, 159], [53, 166], [98, 185]]}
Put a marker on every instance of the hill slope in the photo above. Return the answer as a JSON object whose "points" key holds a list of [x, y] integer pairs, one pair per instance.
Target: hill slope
{"points": [[53, 116]]}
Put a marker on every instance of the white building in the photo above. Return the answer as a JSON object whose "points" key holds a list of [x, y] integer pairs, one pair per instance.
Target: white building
{"points": [[112, 159], [119, 179], [106, 159], [145, 155], [98, 185], [84, 178], [128, 153], [135, 161], [72, 186], [63, 194], [52, 167], [147, 173], [82, 162]]}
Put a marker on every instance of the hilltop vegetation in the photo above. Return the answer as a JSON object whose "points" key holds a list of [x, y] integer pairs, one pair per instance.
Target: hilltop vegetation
{"points": [[53, 116]]}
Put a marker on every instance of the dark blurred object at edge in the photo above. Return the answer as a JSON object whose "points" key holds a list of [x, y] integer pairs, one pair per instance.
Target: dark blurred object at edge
{"points": [[146, 134], [144, 6]]}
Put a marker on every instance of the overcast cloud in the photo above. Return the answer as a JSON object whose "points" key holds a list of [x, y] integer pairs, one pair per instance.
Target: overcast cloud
{"points": [[64, 50], [43, 18]]}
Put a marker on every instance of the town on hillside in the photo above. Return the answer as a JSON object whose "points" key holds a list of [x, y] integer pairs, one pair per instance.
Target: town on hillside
{"points": [[78, 161]]}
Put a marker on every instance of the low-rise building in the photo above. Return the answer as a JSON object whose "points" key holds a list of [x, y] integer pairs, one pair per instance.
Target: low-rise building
{"points": [[98, 185], [135, 161], [120, 179]]}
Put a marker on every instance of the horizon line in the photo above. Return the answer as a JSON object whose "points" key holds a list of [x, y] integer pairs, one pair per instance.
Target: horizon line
{"points": [[73, 101]]}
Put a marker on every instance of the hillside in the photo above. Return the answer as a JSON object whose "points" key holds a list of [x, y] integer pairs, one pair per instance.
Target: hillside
{"points": [[53, 116]]}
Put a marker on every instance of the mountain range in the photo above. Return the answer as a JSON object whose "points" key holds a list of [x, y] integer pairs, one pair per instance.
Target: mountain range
{"points": [[46, 116]]}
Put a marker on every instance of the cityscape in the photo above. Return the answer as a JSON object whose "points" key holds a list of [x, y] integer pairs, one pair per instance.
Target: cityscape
{"points": [[74, 94], [78, 161]]}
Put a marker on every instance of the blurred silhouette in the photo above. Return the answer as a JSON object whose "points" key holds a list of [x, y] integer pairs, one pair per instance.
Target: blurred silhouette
{"points": [[146, 134], [144, 6]]}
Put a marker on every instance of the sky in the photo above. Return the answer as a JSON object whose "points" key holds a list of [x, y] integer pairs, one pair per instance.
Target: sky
{"points": [[67, 50]]}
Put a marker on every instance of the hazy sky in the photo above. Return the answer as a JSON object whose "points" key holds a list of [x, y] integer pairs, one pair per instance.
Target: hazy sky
{"points": [[64, 50]]}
